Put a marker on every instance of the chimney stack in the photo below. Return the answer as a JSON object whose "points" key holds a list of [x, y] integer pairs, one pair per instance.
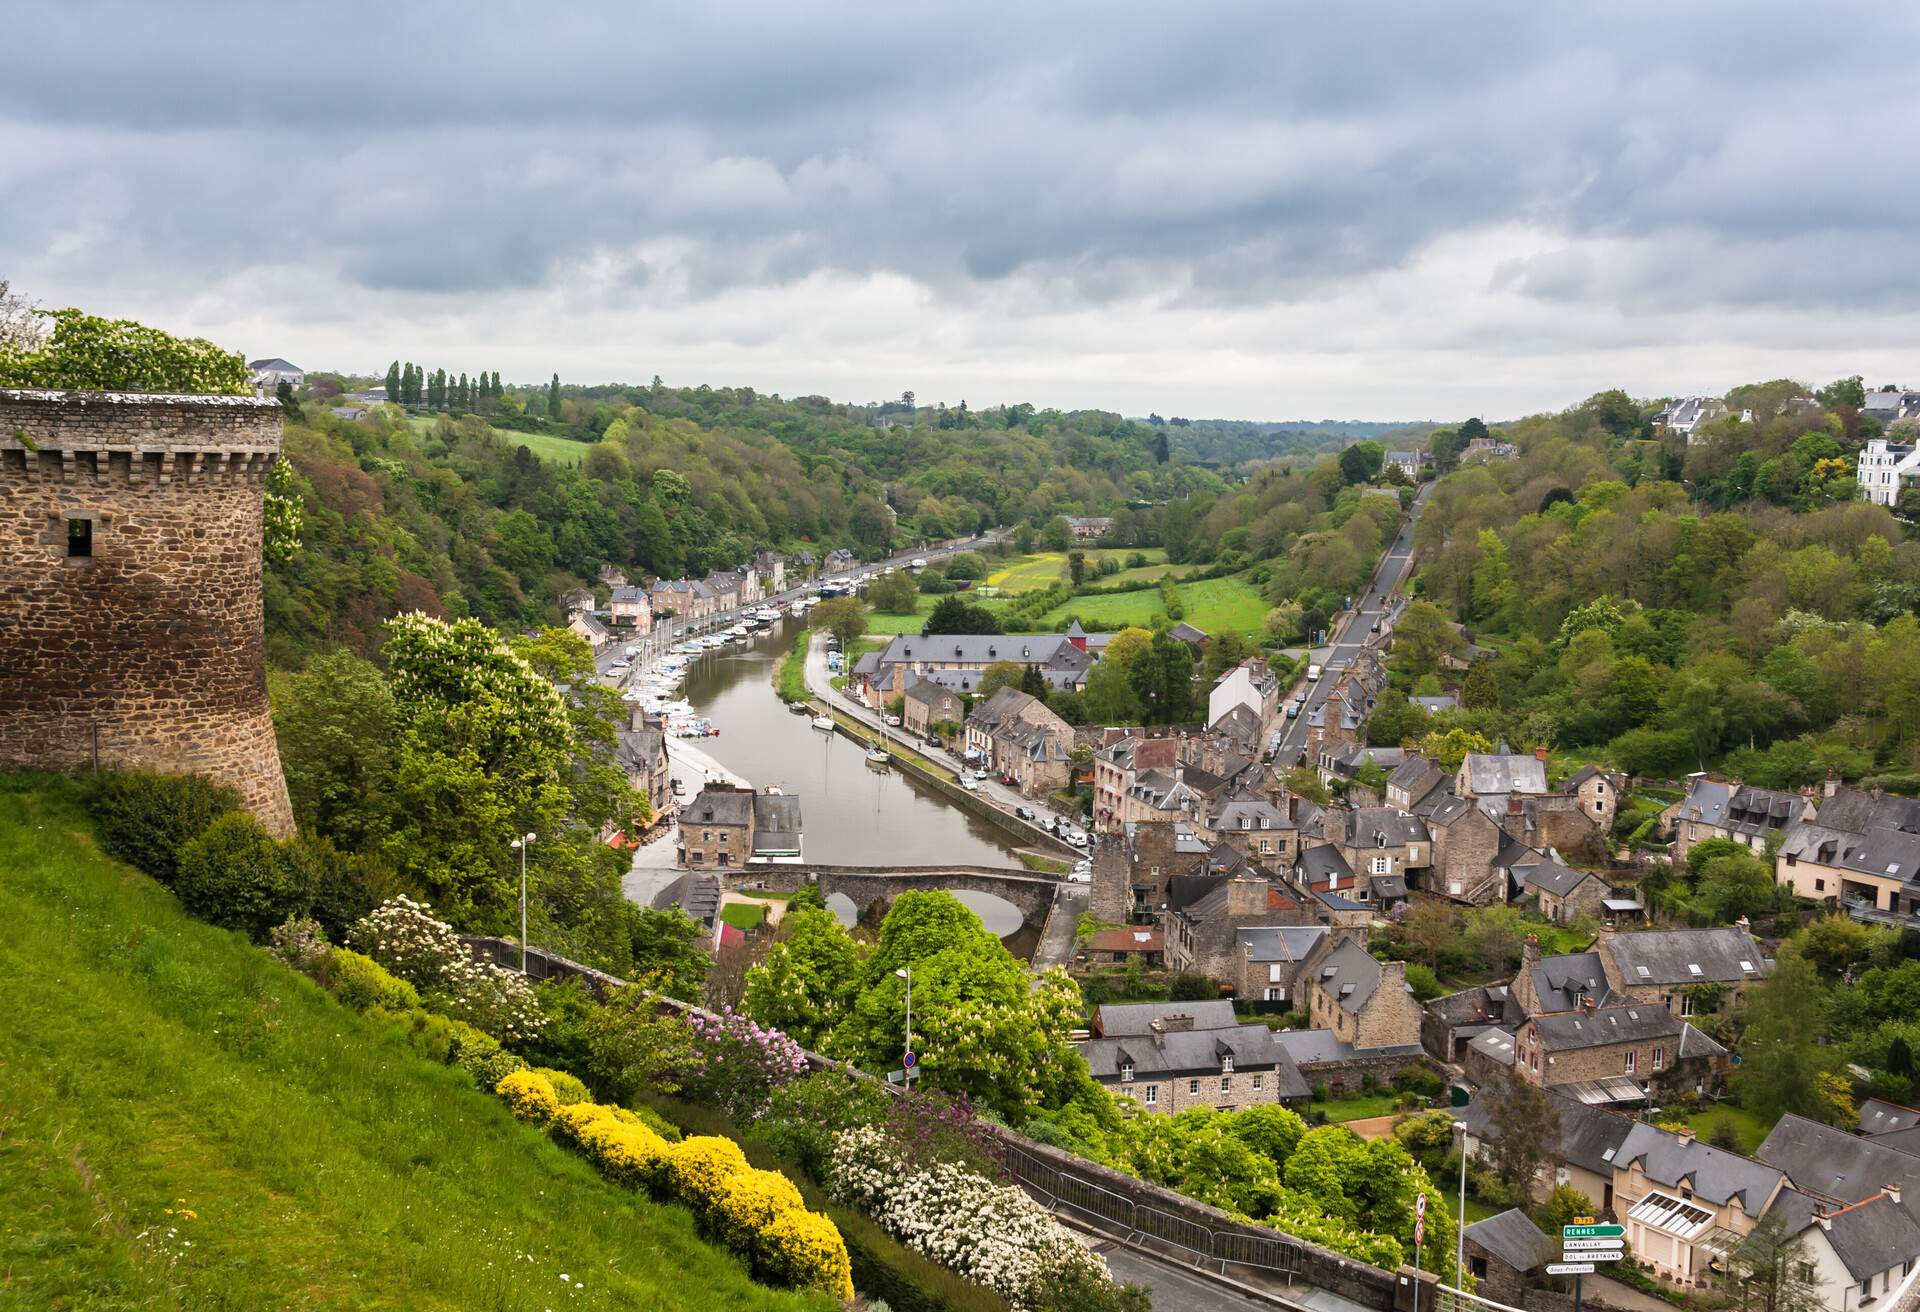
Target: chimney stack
{"points": [[1530, 954], [1832, 784], [1743, 924], [1586, 1005], [1540, 753], [1686, 1134], [1179, 1023], [1893, 1193]]}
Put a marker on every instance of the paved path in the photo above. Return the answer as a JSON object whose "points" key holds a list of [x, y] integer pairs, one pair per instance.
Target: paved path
{"points": [[1056, 945], [1621, 1295]]}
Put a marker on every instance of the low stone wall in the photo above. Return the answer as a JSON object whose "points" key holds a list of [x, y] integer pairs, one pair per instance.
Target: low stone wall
{"points": [[1032, 895], [1136, 1213], [1351, 1072]]}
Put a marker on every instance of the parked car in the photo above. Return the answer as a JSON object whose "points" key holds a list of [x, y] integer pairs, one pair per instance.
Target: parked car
{"points": [[1024, 812], [978, 774], [1077, 837], [1079, 876], [1313, 674], [969, 783], [935, 740], [894, 721], [1293, 710]]}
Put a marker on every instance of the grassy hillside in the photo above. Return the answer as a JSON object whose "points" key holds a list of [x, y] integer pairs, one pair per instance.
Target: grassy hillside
{"points": [[1214, 605], [309, 1159], [548, 446]]}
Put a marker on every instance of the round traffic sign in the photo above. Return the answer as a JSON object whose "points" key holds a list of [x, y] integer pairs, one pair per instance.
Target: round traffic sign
{"points": [[909, 1060]]}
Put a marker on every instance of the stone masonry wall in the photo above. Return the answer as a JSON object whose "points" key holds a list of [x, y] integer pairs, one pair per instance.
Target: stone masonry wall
{"points": [[148, 652]]}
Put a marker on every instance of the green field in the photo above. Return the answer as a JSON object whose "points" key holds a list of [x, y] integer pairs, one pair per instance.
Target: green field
{"points": [[547, 446], [1214, 605], [1749, 1130], [188, 1124], [1356, 1107], [1043, 569]]}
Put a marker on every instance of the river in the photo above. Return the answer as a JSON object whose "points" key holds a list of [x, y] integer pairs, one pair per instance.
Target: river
{"points": [[853, 814]]}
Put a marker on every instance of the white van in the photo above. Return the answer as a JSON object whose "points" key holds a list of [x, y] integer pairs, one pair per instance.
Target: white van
{"points": [[1313, 674]]}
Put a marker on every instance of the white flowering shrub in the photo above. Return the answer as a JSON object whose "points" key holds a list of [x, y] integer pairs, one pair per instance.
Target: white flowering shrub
{"points": [[990, 1233], [403, 936]]}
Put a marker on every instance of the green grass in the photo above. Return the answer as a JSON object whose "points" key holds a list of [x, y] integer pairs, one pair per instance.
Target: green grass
{"points": [[1045, 865], [1357, 1107], [790, 673], [547, 446], [1748, 1128], [743, 915], [1214, 605], [148, 1062], [1043, 569]]}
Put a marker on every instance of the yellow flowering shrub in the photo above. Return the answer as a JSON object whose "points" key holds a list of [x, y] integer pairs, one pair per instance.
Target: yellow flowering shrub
{"points": [[530, 1094], [566, 1087], [698, 1168], [748, 1201], [571, 1121], [803, 1249], [631, 1155]]}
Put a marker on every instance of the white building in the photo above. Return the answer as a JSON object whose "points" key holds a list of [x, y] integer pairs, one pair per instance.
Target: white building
{"points": [[1887, 469], [269, 374], [1250, 684]]}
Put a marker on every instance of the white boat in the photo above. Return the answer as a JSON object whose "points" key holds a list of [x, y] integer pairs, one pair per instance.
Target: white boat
{"points": [[766, 614], [877, 756], [824, 723], [798, 609]]}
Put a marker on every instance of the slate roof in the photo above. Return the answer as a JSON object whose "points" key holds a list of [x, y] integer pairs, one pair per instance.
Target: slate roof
{"points": [[719, 807], [629, 593], [1740, 809], [1560, 981], [1698, 1043], [1590, 1136], [1143, 753], [1890, 853], [1309, 1047], [776, 822], [1549, 876], [1638, 1022], [984, 649], [1872, 1236], [1835, 1164], [641, 749], [1123, 1019], [1384, 826], [1280, 942], [696, 892], [1417, 776], [924, 691], [1495, 1045], [276, 364], [1716, 1175], [1245, 813], [1512, 1238], [1348, 974], [1320, 863], [1669, 956], [1434, 705], [1185, 632], [1489, 774], [1878, 1116], [1196, 1052]]}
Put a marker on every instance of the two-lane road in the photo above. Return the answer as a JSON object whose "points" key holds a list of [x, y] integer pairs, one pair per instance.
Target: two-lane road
{"points": [[1351, 633]]}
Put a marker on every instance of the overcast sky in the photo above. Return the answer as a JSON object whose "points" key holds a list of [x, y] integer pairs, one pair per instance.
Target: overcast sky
{"points": [[1263, 210]]}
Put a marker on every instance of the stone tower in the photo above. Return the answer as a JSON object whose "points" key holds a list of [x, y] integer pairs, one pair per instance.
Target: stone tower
{"points": [[131, 631]]}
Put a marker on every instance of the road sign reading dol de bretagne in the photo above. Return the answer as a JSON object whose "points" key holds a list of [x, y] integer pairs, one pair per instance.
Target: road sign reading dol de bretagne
{"points": [[1588, 1230]]}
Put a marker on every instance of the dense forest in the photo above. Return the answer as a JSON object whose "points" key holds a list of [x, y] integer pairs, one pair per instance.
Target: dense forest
{"points": [[1229, 443], [1671, 605]]}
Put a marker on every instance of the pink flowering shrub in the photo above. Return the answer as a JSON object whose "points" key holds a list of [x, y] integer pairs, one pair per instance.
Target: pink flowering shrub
{"points": [[737, 1063]]}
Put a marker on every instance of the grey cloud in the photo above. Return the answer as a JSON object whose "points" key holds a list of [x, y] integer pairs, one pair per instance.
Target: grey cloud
{"points": [[1223, 153]]}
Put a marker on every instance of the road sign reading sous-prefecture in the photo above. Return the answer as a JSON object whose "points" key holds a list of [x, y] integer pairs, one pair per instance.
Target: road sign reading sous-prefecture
{"points": [[1590, 1231], [1569, 1268]]}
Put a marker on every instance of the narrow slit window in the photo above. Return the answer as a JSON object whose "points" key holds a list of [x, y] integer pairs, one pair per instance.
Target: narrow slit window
{"points": [[79, 537]]}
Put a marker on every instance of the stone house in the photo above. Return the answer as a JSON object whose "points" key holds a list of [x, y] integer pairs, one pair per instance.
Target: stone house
{"points": [[840, 559], [1448, 1024], [1346, 765], [966, 656], [1270, 960], [1504, 1253], [1716, 809], [629, 610], [1685, 1204], [1204, 913], [1495, 776], [1084, 527], [642, 753], [1390, 848], [1323, 869], [1670, 966], [1020, 739], [1237, 731], [1861, 851], [728, 589], [1611, 1053], [1133, 869], [776, 828], [1365, 1002], [1565, 894], [683, 599], [1119, 947], [771, 568], [1116, 766], [587, 625], [928, 703], [1258, 829], [1466, 842], [716, 827], [1173, 1056], [1597, 794]]}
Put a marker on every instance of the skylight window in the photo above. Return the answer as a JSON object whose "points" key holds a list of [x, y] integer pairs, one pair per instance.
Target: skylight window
{"points": [[1644, 972], [1747, 966], [1692, 969]]}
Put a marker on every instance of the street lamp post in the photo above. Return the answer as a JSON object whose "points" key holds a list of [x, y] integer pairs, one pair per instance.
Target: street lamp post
{"points": [[521, 845], [906, 973], [1460, 1230]]}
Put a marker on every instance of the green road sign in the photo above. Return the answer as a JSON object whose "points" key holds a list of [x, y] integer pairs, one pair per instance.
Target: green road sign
{"points": [[1591, 1231]]}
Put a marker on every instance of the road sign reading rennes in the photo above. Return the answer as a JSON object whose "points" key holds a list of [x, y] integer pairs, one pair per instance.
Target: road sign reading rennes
{"points": [[1591, 1231]]}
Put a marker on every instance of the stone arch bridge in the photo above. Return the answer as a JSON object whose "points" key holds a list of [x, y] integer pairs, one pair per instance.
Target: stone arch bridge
{"points": [[1031, 894]]}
